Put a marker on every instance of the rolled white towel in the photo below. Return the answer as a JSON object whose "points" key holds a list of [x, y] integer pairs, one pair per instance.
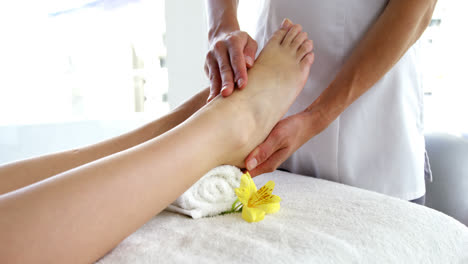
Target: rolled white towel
{"points": [[211, 195]]}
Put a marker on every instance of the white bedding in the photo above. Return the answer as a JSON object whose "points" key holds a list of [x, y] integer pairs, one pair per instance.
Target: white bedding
{"points": [[319, 222]]}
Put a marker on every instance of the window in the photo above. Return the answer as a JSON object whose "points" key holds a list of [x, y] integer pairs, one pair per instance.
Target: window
{"points": [[445, 56], [83, 59]]}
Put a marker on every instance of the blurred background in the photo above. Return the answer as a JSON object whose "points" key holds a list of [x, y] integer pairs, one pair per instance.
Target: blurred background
{"points": [[73, 72]]}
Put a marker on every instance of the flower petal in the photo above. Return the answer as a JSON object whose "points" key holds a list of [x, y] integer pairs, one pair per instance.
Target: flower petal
{"points": [[252, 186], [270, 199], [246, 189], [263, 195], [243, 194], [244, 182], [272, 206], [252, 214]]}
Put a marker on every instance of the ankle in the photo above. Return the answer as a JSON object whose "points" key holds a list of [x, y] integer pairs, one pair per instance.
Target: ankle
{"points": [[237, 128]]}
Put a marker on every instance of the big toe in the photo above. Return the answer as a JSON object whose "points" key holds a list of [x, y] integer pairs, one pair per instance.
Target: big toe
{"points": [[279, 35], [286, 24]]}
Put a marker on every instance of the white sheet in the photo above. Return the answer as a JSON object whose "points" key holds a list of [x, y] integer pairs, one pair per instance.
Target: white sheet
{"points": [[319, 222]]}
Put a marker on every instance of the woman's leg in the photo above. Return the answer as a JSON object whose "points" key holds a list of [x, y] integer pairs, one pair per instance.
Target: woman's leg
{"points": [[81, 214], [22, 173]]}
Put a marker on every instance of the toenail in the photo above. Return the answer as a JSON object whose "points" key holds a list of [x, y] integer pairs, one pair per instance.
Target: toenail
{"points": [[286, 22]]}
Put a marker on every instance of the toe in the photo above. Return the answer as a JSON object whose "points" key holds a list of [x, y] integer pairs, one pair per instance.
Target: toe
{"points": [[306, 47], [286, 24], [307, 61], [291, 35], [278, 36], [298, 40]]}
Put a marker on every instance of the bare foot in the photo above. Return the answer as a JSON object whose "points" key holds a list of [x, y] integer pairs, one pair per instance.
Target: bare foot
{"points": [[275, 80], [286, 59]]}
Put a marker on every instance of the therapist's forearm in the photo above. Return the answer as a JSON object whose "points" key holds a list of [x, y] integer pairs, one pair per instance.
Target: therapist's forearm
{"points": [[394, 32], [222, 17], [22, 173]]}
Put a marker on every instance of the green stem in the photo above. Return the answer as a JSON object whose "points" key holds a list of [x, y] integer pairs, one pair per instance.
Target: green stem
{"points": [[234, 204], [236, 207]]}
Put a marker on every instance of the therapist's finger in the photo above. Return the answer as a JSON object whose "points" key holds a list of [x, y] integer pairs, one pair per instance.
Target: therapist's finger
{"points": [[238, 63], [271, 164], [249, 51], [212, 70], [225, 70]]}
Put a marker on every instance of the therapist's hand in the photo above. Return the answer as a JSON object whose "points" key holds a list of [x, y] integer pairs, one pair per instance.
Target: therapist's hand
{"points": [[286, 137], [227, 61]]}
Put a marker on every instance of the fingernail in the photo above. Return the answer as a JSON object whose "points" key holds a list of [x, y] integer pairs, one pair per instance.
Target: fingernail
{"points": [[224, 87], [251, 164], [286, 22], [240, 82], [249, 60]]}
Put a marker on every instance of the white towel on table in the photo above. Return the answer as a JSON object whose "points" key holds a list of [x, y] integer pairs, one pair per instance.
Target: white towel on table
{"points": [[211, 195]]}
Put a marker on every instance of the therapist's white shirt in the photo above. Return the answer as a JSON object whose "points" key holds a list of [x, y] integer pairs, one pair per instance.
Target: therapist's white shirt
{"points": [[377, 143]]}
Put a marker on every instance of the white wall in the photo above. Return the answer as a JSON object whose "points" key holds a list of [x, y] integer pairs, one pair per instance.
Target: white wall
{"points": [[187, 44]]}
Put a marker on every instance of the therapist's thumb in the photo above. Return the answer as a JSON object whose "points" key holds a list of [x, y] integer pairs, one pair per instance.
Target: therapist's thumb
{"points": [[261, 153]]}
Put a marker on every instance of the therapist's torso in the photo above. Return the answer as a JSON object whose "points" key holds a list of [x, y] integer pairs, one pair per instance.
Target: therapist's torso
{"points": [[377, 143]]}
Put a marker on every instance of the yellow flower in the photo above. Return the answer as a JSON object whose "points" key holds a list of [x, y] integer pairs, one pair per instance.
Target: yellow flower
{"points": [[256, 203]]}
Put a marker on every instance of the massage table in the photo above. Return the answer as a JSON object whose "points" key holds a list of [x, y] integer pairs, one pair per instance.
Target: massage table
{"points": [[319, 222]]}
